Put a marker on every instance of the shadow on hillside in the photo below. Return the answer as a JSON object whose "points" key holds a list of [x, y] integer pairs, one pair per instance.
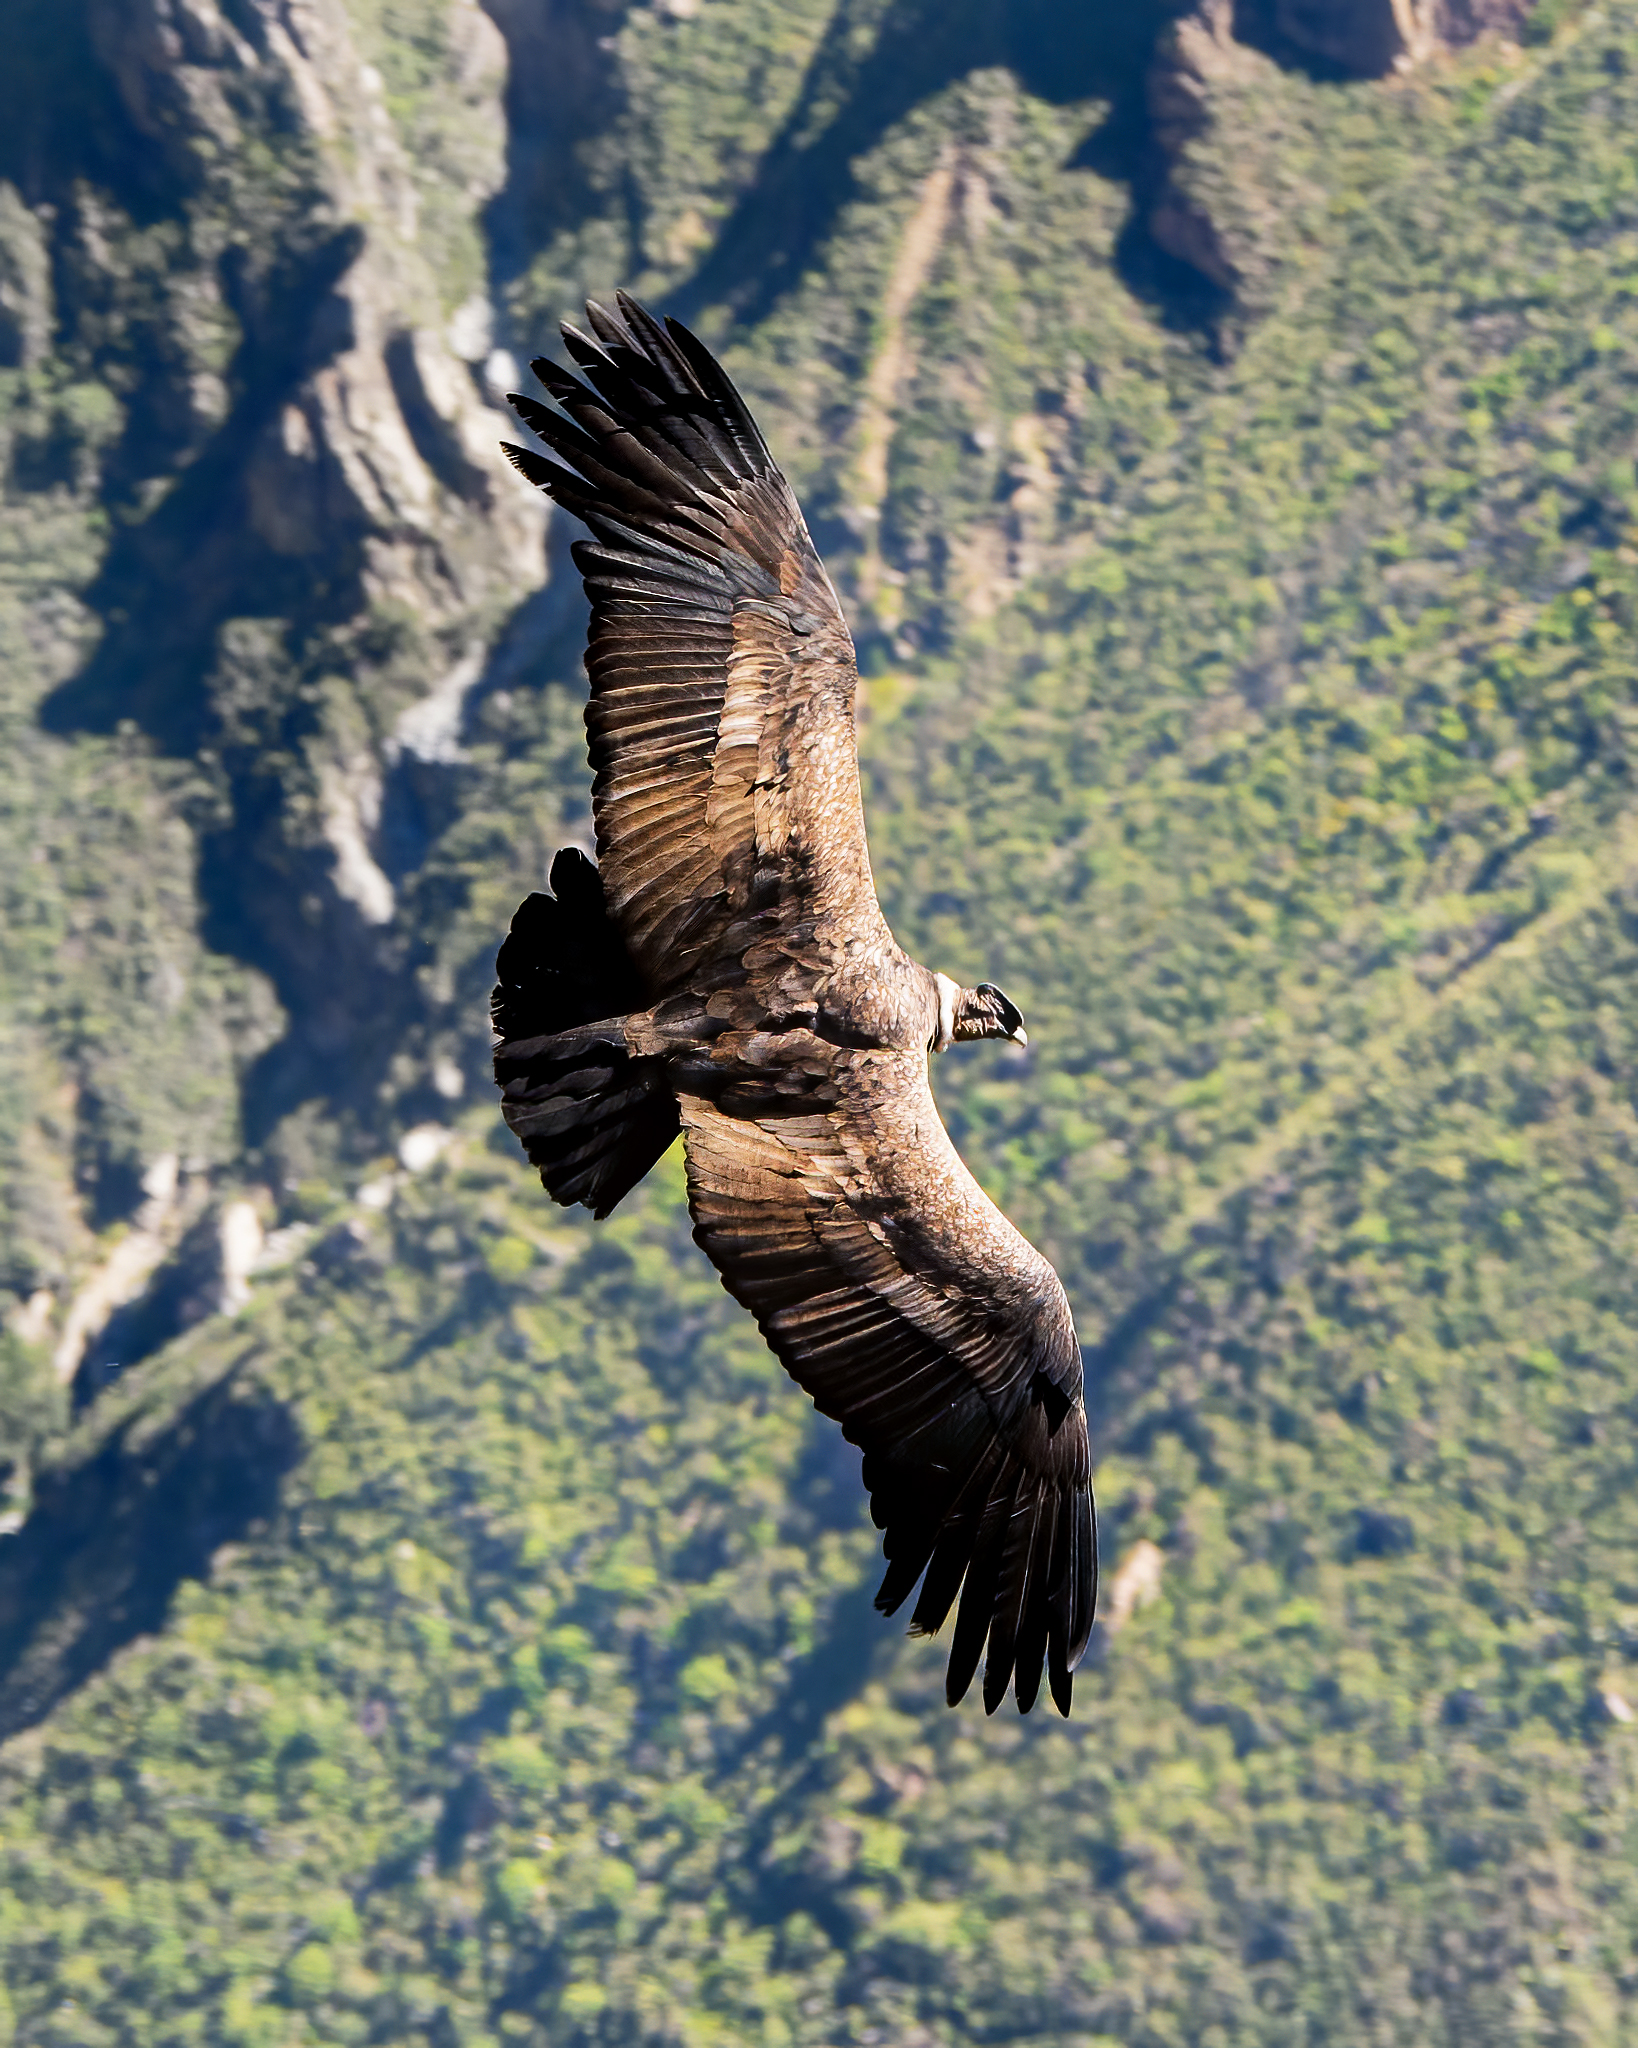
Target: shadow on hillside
{"points": [[1059, 54], [57, 104], [178, 569], [834, 1671], [562, 90], [169, 580], [110, 1539], [166, 587], [168, 584]]}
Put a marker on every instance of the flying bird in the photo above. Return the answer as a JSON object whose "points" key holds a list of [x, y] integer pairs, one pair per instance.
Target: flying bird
{"points": [[725, 970]]}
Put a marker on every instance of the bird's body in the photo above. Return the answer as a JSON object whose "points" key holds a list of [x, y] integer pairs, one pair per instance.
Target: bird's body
{"points": [[726, 970]]}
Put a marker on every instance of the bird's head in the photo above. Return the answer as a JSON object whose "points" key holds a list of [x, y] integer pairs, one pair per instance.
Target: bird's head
{"points": [[982, 1012]]}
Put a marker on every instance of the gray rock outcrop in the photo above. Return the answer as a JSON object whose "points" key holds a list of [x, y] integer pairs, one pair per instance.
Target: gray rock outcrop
{"points": [[1215, 48]]}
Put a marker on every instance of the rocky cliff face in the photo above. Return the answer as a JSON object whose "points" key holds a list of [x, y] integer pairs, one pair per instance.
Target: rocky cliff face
{"points": [[362, 462], [252, 411], [1211, 56], [1369, 38]]}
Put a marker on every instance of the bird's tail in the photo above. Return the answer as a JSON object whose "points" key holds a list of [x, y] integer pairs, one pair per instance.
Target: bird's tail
{"points": [[592, 1116]]}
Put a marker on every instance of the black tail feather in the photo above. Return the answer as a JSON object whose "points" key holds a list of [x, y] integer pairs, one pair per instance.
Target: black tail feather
{"points": [[591, 1116]]}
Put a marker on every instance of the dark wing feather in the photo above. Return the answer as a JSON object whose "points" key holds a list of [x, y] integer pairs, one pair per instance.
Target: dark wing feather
{"points": [[896, 1293], [717, 651]]}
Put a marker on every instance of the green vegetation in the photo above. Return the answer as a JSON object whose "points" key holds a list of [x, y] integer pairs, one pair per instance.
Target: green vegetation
{"points": [[468, 1636]]}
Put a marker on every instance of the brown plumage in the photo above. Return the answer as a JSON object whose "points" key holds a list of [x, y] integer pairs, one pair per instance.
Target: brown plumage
{"points": [[726, 969]]}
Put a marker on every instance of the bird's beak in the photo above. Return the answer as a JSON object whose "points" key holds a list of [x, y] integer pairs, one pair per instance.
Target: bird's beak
{"points": [[1020, 1036]]}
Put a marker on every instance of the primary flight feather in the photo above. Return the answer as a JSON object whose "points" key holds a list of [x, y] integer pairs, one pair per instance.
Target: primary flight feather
{"points": [[725, 970]]}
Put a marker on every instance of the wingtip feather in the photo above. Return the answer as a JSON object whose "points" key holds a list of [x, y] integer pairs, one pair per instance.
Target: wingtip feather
{"points": [[978, 1593], [1014, 1588]]}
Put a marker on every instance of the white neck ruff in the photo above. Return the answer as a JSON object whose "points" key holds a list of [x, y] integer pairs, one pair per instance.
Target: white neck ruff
{"points": [[947, 993]]}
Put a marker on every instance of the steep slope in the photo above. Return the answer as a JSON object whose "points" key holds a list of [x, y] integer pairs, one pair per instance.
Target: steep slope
{"points": [[446, 1619]]}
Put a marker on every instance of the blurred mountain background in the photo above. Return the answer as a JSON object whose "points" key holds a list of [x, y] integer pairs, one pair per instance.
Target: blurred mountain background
{"points": [[427, 1616]]}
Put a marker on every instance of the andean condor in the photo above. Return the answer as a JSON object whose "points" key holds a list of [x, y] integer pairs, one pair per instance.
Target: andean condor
{"points": [[725, 969]]}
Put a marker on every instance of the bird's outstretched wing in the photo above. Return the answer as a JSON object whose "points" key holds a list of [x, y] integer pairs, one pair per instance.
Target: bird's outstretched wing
{"points": [[828, 1194], [731, 843], [723, 679]]}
